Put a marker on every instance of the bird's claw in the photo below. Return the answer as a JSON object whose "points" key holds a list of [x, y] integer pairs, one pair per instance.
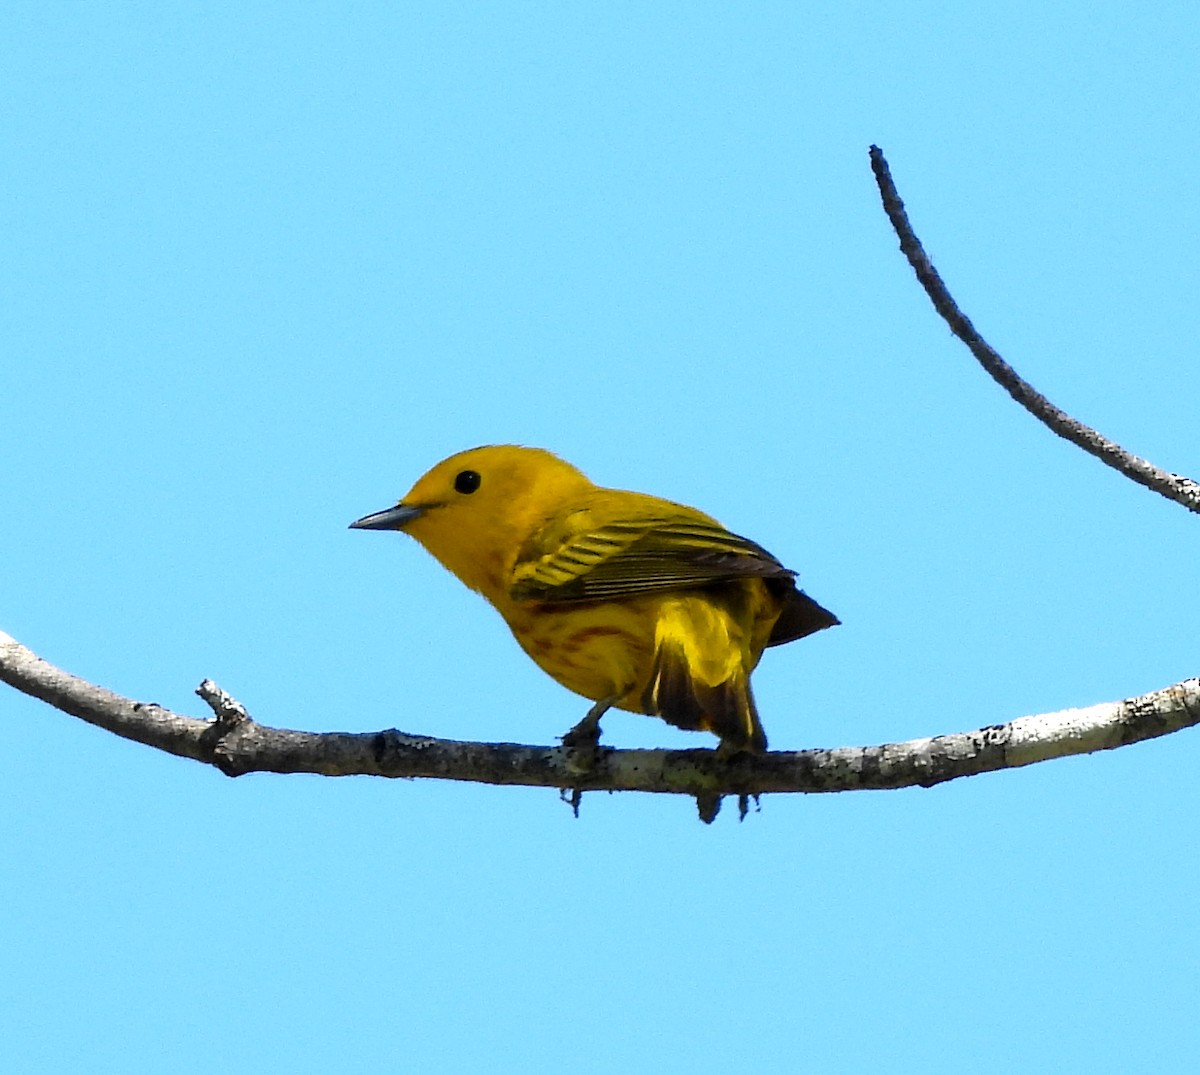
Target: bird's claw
{"points": [[583, 741]]}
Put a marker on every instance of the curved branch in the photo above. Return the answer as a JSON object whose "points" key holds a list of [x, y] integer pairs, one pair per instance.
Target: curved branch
{"points": [[236, 745], [1173, 486]]}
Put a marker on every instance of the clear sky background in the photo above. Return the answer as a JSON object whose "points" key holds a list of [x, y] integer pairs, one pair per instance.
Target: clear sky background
{"points": [[262, 265]]}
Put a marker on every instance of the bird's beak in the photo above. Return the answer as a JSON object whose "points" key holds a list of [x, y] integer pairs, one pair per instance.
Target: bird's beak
{"points": [[389, 519]]}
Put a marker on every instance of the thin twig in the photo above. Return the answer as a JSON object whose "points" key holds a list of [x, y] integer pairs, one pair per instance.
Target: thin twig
{"points": [[1173, 486], [239, 745]]}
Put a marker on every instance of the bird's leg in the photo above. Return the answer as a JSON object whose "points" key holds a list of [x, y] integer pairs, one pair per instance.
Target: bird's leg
{"points": [[587, 732], [583, 743]]}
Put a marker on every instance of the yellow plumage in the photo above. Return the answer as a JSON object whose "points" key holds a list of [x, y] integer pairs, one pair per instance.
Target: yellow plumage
{"points": [[626, 599]]}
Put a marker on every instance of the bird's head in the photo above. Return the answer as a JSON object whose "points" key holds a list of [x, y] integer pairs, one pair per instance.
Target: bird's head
{"points": [[474, 510]]}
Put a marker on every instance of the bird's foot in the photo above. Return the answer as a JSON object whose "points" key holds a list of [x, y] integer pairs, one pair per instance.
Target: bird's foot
{"points": [[727, 750], [583, 741]]}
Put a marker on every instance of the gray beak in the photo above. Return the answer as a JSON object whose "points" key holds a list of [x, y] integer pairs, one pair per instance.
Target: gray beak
{"points": [[388, 519]]}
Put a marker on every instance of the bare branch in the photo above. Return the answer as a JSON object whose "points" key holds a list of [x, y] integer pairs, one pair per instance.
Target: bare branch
{"points": [[236, 745], [1173, 486]]}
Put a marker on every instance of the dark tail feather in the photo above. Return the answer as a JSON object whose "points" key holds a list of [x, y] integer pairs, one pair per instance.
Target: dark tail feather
{"points": [[726, 709], [801, 615]]}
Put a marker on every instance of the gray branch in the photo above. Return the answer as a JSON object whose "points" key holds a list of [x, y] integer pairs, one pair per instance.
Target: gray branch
{"points": [[236, 744], [1173, 486]]}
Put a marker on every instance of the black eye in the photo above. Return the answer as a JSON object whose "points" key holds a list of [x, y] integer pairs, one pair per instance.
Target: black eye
{"points": [[467, 481]]}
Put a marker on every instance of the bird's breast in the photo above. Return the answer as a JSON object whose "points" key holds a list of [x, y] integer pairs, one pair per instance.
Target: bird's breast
{"points": [[596, 649]]}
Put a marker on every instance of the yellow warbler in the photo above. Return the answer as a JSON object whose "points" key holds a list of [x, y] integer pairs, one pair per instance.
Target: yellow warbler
{"points": [[624, 598]]}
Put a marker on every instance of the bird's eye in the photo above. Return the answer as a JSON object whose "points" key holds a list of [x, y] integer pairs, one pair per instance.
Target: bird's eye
{"points": [[467, 481]]}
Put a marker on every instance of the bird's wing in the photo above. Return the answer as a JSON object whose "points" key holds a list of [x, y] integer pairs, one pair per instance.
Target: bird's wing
{"points": [[624, 557]]}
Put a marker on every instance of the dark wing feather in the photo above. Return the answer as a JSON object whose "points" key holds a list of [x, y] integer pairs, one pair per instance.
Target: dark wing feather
{"points": [[627, 557]]}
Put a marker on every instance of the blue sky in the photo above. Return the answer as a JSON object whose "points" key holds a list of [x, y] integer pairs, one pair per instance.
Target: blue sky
{"points": [[264, 264]]}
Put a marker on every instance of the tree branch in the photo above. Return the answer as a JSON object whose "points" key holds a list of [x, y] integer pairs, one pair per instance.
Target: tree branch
{"points": [[236, 745], [1173, 486]]}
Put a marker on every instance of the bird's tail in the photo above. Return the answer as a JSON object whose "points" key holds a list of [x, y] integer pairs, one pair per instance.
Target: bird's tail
{"points": [[726, 707]]}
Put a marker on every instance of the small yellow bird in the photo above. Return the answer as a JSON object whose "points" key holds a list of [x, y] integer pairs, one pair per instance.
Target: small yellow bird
{"points": [[626, 599]]}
